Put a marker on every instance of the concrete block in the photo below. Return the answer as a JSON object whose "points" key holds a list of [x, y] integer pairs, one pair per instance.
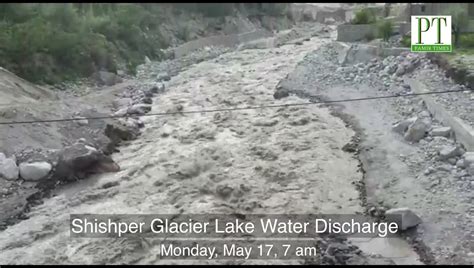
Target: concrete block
{"points": [[355, 32], [463, 132]]}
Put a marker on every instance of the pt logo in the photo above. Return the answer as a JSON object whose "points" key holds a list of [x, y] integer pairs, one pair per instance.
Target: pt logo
{"points": [[431, 34]]}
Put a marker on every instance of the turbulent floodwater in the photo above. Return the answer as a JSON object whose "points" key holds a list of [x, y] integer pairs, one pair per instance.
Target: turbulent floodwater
{"points": [[278, 160]]}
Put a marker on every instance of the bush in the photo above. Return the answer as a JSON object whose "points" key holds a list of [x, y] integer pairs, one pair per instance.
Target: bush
{"points": [[183, 33], [385, 30], [460, 22], [466, 40], [52, 42], [74, 39], [364, 16], [406, 41]]}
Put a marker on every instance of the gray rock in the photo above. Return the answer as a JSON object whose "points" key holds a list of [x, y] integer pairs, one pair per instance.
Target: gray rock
{"points": [[139, 109], [441, 131], [411, 65], [8, 168], [146, 100], [424, 114], [329, 21], [81, 120], [148, 93], [428, 171], [121, 112], [449, 151], [161, 88], [154, 89], [224, 191], [461, 163], [163, 76], [400, 70], [131, 123], [119, 132], [186, 170], [107, 78], [35, 171], [408, 217], [468, 158], [452, 161], [165, 131], [281, 93], [122, 102], [417, 130], [147, 60], [402, 126], [445, 168], [78, 160], [470, 170], [137, 122]]}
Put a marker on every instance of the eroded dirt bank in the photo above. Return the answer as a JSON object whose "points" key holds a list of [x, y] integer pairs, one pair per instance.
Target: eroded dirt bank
{"points": [[287, 160]]}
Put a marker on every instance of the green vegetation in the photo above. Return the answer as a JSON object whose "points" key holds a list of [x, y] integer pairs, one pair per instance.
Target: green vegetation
{"points": [[49, 43], [52, 42], [466, 40], [465, 46], [385, 29], [460, 21], [364, 16], [406, 41]]}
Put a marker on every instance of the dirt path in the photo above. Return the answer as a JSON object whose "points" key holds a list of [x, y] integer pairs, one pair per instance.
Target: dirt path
{"points": [[394, 168]]}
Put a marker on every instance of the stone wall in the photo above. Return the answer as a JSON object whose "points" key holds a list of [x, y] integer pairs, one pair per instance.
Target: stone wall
{"points": [[355, 32], [219, 40]]}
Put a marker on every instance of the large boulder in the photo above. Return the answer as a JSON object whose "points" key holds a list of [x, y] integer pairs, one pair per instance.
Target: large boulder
{"points": [[402, 126], [35, 171], [8, 168], [79, 160], [122, 131], [163, 76], [441, 131], [282, 89], [360, 54], [408, 218], [417, 130], [449, 151], [469, 158]]}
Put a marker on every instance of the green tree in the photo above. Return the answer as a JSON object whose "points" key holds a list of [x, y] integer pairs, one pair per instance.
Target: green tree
{"points": [[460, 21]]}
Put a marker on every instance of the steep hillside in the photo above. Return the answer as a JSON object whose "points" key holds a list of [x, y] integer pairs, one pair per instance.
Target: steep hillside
{"points": [[51, 43]]}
